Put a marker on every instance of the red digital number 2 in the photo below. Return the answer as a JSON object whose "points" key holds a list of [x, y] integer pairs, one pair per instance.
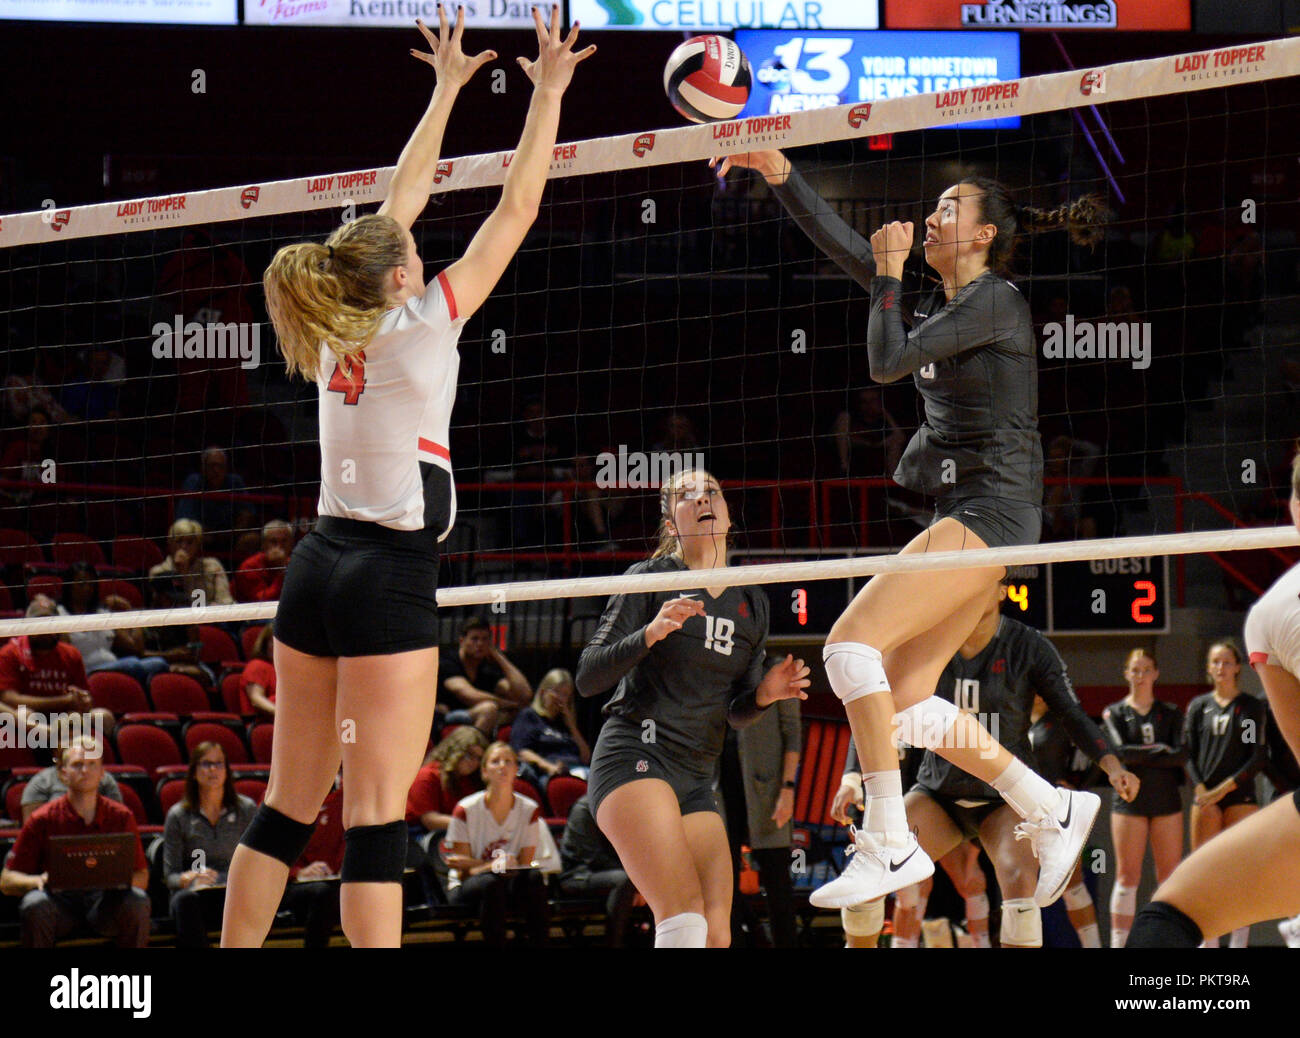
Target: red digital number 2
{"points": [[352, 385], [1148, 599]]}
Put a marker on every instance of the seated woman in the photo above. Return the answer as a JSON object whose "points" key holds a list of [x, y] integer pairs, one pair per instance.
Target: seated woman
{"points": [[105, 650], [200, 834], [546, 736], [490, 843], [450, 773], [197, 572], [257, 680]]}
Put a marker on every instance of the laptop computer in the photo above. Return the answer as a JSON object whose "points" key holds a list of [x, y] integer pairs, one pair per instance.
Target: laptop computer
{"points": [[100, 861]]}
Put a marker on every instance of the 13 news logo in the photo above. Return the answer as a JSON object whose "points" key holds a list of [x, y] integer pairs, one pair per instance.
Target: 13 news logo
{"points": [[858, 115], [643, 144]]}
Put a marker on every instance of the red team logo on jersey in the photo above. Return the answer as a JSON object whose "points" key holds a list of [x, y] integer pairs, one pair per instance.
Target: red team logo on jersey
{"points": [[743, 610], [858, 115], [643, 144], [999, 666], [642, 766], [249, 196], [443, 171]]}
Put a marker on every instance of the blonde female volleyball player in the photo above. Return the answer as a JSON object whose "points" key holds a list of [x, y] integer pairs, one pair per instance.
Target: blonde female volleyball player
{"points": [[356, 635], [972, 354], [1247, 873], [686, 664]]}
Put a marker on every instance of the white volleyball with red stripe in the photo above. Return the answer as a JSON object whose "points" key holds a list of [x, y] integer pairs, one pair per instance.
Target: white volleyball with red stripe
{"points": [[707, 79]]}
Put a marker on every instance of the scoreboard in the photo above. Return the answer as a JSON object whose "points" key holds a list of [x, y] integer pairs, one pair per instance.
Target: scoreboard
{"points": [[1096, 596]]}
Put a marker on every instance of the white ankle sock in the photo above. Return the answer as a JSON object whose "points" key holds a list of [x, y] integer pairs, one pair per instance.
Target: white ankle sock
{"points": [[684, 930], [1029, 794], [1118, 937], [1090, 936], [887, 817], [882, 783], [904, 942]]}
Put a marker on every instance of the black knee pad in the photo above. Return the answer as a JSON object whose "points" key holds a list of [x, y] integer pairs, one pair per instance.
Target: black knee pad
{"points": [[375, 853], [277, 836], [1161, 925]]}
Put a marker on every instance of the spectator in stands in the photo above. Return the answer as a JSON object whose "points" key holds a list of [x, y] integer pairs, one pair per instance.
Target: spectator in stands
{"points": [[546, 736], [592, 869], [23, 393], [490, 844], [47, 916], [93, 391], [257, 680], [47, 785], [28, 457], [43, 680], [478, 676], [1066, 515], [178, 644], [868, 440], [200, 835], [677, 434], [313, 903], [196, 571], [260, 577], [214, 506], [99, 649], [595, 509], [450, 773]]}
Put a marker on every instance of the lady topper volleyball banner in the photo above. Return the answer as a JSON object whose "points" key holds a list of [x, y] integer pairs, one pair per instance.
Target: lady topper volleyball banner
{"points": [[1152, 77]]}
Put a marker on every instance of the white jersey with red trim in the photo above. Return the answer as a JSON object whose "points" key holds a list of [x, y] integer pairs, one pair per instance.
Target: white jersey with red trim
{"points": [[384, 428], [1273, 624], [472, 823]]}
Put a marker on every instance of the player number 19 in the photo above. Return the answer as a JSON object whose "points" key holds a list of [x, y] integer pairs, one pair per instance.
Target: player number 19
{"points": [[718, 631]]}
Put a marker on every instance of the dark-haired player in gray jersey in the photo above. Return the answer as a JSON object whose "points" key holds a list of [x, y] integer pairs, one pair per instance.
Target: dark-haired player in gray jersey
{"points": [[685, 665], [996, 674], [971, 353]]}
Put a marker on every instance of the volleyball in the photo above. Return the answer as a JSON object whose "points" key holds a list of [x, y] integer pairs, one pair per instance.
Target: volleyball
{"points": [[707, 79]]}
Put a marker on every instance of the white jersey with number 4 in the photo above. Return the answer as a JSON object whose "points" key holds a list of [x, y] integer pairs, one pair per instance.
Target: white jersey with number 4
{"points": [[384, 429], [1273, 624]]}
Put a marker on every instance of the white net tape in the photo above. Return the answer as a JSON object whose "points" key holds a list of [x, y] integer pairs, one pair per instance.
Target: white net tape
{"points": [[1020, 555]]}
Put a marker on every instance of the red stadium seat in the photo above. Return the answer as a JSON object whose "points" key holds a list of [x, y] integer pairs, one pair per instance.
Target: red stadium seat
{"points": [[138, 780], [563, 792], [254, 789], [68, 548], [147, 745], [826, 746], [14, 800], [260, 736], [170, 790], [132, 800], [16, 757], [247, 637], [136, 553], [230, 691], [503, 733], [17, 549], [177, 694], [6, 600], [117, 692], [210, 731], [124, 588], [218, 646], [45, 584], [526, 788]]}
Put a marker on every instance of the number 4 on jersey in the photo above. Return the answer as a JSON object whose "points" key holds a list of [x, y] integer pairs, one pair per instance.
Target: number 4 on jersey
{"points": [[353, 384]]}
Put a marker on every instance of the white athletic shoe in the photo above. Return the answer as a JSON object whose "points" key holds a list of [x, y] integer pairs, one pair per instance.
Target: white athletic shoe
{"points": [[1290, 931], [1058, 839], [873, 871]]}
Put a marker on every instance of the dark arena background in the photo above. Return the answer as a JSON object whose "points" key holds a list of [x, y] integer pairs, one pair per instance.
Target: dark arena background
{"points": [[652, 313]]}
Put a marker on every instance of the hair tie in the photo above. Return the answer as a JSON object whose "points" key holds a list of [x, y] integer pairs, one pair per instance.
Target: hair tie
{"points": [[331, 248]]}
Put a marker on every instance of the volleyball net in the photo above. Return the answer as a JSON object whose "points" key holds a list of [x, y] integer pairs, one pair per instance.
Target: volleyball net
{"points": [[656, 319]]}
